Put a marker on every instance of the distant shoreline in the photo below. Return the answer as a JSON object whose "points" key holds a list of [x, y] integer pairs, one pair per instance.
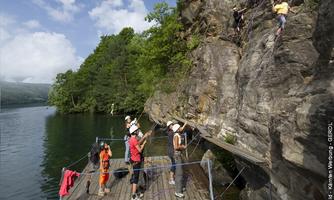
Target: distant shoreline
{"points": [[25, 105]]}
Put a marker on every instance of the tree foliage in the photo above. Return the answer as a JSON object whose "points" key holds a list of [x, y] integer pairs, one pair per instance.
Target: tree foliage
{"points": [[125, 69]]}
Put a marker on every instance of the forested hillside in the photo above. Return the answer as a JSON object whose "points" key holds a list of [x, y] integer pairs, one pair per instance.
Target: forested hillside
{"points": [[125, 69], [23, 93]]}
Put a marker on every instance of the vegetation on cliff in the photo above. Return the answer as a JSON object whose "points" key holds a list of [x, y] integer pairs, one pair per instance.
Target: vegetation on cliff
{"points": [[126, 68]]}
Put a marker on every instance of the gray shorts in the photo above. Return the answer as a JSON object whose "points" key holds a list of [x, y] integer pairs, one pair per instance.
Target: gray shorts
{"points": [[281, 21]]}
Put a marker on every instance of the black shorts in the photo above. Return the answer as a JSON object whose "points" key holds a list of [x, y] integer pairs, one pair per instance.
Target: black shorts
{"points": [[238, 23], [135, 176], [173, 167]]}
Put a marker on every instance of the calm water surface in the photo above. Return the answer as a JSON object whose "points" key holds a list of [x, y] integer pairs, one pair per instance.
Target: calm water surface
{"points": [[36, 142]]}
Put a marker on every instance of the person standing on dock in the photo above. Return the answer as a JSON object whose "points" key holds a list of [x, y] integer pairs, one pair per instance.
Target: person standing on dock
{"points": [[136, 147], [170, 152], [105, 156], [126, 139], [178, 149]]}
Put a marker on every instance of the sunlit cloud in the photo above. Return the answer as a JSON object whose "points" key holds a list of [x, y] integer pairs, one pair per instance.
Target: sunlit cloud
{"points": [[113, 15]]}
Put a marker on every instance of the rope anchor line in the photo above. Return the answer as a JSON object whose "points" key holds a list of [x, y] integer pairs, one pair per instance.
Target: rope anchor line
{"points": [[235, 178], [143, 169]]}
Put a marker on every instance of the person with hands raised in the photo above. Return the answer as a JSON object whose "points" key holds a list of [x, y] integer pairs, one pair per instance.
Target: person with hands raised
{"points": [[136, 148], [105, 156], [178, 151]]}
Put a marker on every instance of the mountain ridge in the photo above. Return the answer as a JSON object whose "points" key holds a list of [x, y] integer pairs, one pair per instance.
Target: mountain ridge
{"points": [[18, 93]]}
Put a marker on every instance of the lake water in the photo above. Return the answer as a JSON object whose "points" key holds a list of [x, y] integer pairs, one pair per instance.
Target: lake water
{"points": [[36, 142]]}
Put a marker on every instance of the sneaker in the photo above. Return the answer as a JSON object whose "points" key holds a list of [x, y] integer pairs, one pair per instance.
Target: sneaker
{"points": [[184, 189], [171, 182], [107, 190], [180, 195], [101, 192], [140, 195], [135, 197]]}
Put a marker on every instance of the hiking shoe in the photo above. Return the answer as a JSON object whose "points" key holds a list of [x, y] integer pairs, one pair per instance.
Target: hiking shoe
{"points": [[180, 195], [140, 195], [135, 197], [101, 192], [107, 190], [171, 182]]}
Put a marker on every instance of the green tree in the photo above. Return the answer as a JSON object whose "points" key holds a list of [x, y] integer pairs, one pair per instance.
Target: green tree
{"points": [[125, 69]]}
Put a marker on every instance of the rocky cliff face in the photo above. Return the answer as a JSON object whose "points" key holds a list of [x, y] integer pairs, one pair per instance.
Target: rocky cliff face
{"points": [[275, 97]]}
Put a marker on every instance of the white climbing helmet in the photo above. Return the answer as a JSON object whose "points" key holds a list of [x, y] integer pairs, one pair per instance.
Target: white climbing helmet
{"points": [[133, 129], [169, 123], [176, 127], [127, 117]]}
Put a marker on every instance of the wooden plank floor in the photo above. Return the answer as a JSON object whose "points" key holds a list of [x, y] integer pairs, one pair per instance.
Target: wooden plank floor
{"points": [[197, 186]]}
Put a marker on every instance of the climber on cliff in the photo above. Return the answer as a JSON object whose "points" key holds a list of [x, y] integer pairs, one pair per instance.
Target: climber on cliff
{"points": [[281, 9], [238, 16]]}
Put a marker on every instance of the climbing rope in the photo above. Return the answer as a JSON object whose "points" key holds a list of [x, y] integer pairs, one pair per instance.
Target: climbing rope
{"points": [[143, 169], [141, 114], [250, 26], [222, 194], [191, 141], [195, 147], [76, 162], [122, 139]]}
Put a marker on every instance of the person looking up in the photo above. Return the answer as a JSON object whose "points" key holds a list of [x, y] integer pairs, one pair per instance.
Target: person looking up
{"points": [[136, 147], [105, 156], [178, 151], [126, 140], [170, 152]]}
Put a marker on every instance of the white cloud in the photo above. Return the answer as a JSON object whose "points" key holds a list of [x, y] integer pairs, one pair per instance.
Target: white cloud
{"points": [[35, 56], [5, 23], [64, 12], [32, 24], [112, 16], [6, 20]]}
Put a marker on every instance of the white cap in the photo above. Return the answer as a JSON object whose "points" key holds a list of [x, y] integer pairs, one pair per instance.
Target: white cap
{"points": [[127, 117], [133, 129], [169, 123], [176, 127]]}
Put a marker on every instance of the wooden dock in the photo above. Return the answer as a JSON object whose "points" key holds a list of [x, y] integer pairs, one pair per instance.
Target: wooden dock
{"points": [[197, 184]]}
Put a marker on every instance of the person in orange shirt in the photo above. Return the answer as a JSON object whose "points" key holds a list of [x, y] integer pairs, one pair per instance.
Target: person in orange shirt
{"points": [[281, 9], [105, 156]]}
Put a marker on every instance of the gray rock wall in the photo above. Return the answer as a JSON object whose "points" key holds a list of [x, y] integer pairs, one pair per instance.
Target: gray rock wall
{"points": [[275, 97]]}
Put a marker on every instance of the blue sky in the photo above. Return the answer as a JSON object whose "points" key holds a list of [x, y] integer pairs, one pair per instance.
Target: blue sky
{"points": [[40, 38]]}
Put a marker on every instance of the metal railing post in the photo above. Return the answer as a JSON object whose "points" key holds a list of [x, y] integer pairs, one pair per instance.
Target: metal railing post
{"points": [[210, 180]]}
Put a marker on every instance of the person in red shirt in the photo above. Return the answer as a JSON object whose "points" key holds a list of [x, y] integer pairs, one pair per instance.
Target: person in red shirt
{"points": [[136, 147], [105, 156]]}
